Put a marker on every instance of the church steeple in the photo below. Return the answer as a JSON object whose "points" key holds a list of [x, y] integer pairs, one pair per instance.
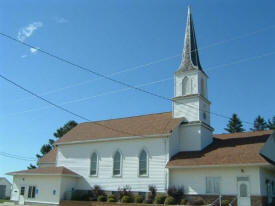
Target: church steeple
{"points": [[190, 59], [191, 95]]}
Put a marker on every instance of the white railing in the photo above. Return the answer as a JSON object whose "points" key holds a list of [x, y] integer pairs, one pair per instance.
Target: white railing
{"points": [[219, 199]]}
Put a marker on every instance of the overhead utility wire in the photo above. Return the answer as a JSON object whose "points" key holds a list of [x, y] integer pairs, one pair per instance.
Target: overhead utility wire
{"points": [[211, 68], [152, 62], [86, 119], [103, 76], [62, 108], [16, 156]]}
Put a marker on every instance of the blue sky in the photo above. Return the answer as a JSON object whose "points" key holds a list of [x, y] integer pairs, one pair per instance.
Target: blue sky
{"points": [[111, 36]]}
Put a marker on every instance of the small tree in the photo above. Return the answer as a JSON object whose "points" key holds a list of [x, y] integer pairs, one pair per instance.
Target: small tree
{"points": [[66, 128], [58, 134], [124, 191], [259, 124], [234, 125], [31, 166], [271, 123], [176, 192], [152, 192]]}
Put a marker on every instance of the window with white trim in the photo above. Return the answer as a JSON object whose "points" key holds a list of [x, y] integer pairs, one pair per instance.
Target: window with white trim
{"points": [[22, 190], [31, 192], [117, 164], [143, 163], [94, 164], [213, 185]]}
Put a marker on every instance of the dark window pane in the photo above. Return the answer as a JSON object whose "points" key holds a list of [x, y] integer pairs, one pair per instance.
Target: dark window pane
{"points": [[143, 163]]}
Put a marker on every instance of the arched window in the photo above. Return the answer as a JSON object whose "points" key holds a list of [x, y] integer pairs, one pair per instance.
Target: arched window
{"points": [[185, 86], [117, 164], [202, 87], [94, 164], [143, 164]]}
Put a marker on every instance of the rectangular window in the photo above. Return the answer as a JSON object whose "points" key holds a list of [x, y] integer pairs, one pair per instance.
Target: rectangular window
{"points": [[213, 185], [22, 191], [31, 192], [142, 194], [116, 168]]}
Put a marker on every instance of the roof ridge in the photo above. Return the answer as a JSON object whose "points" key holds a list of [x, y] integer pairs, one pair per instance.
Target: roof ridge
{"points": [[246, 132], [128, 117]]}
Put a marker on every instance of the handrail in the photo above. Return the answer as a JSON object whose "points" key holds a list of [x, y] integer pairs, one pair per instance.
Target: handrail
{"points": [[232, 202], [218, 199]]}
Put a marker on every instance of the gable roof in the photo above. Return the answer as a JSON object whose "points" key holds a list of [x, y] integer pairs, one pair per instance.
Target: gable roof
{"points": [[152, 124], [226, 149], [3, 179], [45, 171], [50, 157]]}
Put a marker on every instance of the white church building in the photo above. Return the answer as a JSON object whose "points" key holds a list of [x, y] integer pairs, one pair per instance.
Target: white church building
{"points": [[175, 148]]}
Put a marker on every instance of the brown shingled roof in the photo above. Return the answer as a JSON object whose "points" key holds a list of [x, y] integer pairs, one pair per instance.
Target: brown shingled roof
{"points": [[161, 123], [236, 148], [45, 171], [50, 157]]}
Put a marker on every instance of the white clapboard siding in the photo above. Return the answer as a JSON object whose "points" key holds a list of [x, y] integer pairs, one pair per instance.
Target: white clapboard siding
{"points": [[76, 157]]}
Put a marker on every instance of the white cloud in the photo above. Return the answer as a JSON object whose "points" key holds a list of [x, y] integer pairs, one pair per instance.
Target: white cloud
{"points": [[24, 56], [60, 20], [33, 50], [27, 31]]}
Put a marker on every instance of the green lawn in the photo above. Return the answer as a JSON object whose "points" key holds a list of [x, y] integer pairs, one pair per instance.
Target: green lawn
{"points": [[1, 201]]}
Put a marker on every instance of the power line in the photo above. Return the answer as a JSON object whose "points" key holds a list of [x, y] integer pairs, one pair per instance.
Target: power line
{"points": [[86, 69], [142, 65], [101, 76], [91, 97], [107, 77], [18, 157], [146, 84], [86, 119], [112, 74], [62, 108]]}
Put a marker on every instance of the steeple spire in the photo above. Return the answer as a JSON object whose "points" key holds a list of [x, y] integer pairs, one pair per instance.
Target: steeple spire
{"points": [[190, 58]]}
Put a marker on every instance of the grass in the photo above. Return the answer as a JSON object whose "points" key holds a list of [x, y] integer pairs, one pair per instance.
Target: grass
{"points": [[1, 200]]}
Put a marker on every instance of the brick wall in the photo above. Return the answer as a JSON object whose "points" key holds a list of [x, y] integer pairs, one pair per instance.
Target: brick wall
{"points": [[258, 201], [94, 203], [255, 201], [210, 198]]}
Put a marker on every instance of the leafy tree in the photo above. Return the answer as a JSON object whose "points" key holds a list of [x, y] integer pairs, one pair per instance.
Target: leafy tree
{"points": [[271, 123], [58, 134], [259, 124], [234, 125], [63, 130], [31, 166]]}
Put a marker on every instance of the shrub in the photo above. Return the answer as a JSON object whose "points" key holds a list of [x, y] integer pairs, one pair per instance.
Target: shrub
{"points": [[225, 202], [152, 192], [76, 196], [183, 202], [126, 199], [198, 201], [111, 198], [97, 191], [170, 200], [138, 199], [176, 193], [159, 199], [101, 198], [124, 191], [81, 195]]}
